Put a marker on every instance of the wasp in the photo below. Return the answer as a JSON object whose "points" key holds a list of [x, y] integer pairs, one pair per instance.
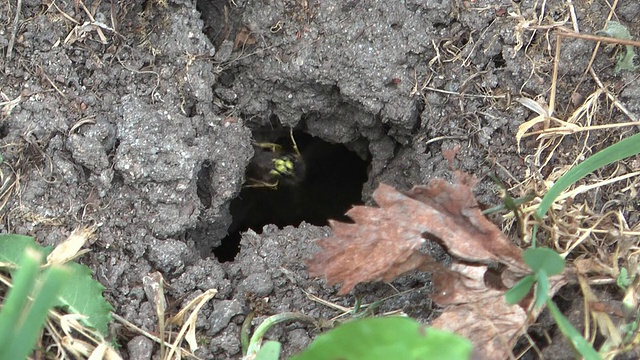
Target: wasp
{"points": [[274, 164]]}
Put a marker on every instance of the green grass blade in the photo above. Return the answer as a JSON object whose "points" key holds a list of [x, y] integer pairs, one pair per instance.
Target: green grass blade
{"points": [[51, 282], [618, 151], [12, 310], [520, 290], [542, 289], [579, 343]]}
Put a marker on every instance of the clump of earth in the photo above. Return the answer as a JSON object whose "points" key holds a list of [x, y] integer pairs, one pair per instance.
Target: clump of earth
{"points": [[141, 118]]}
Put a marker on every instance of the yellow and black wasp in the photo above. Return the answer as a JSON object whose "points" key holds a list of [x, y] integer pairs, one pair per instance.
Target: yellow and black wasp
{"points": [[275, 165]]}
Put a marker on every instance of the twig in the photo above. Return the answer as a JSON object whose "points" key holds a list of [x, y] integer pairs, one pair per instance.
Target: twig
{"points": [[577, 129], [613, 99], [153, 91], [14, 32], [570, 33], [595, 50], [554, 79], [150, 336], [574, 18], [462, 94]]}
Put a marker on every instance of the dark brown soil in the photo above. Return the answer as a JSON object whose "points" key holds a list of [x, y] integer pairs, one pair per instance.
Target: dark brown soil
{"points": [[143, 125]]}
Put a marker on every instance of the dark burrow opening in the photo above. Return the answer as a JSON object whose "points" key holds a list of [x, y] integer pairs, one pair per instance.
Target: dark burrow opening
{"points": [[328, 181]]}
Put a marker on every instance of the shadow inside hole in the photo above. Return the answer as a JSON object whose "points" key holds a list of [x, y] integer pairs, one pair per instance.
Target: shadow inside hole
{"points": [[332, 184], [4, 130]]}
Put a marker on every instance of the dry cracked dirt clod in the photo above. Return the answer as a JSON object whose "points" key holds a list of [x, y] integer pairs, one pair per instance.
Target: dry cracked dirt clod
{"points": [[173, 106]]}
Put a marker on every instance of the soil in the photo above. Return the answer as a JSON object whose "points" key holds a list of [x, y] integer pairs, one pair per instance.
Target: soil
{"points": [[143, 124]]}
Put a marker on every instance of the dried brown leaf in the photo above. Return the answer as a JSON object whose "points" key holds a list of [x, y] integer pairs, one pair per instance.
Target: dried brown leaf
{"points": [[480, 313], [452, 215], [477, 312], [384, 242], [381, 245], [243, 38]]}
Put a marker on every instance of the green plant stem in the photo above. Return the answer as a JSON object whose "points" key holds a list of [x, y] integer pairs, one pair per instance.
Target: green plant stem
{"points": [[516, 202], [245, 331], [256, 339]]}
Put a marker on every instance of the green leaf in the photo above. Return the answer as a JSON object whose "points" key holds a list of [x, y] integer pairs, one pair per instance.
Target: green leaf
{"points": [[12, 247], [629, 330], [575, 338], [520, 290], [623, 279], [617, 30], [544, 259], [270, 350], [83, 295], [386, 338]]}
